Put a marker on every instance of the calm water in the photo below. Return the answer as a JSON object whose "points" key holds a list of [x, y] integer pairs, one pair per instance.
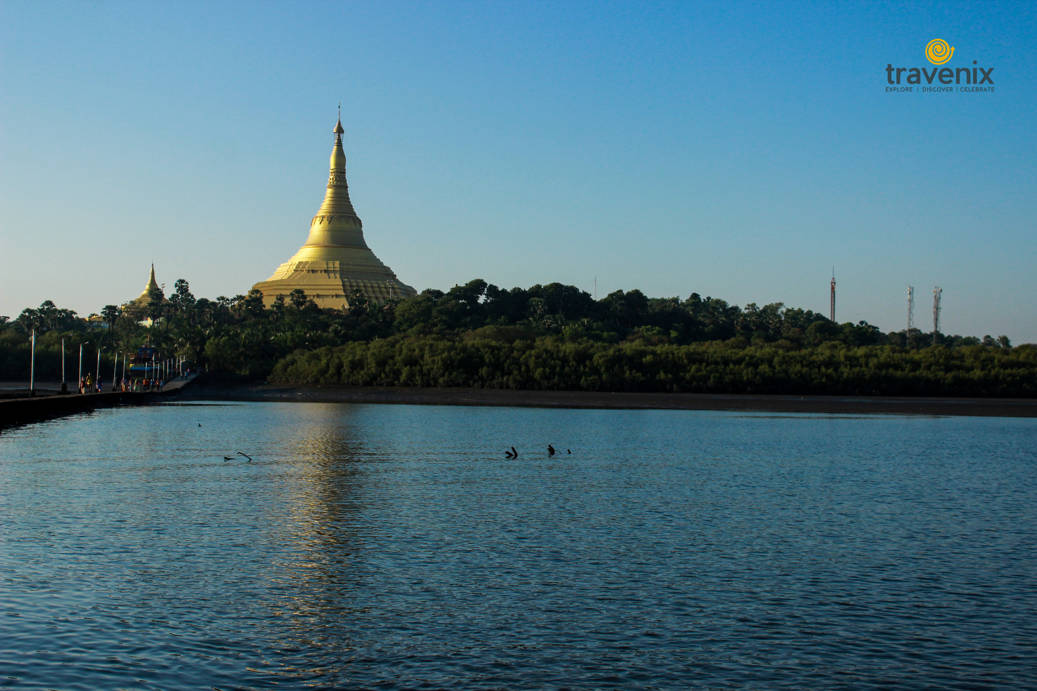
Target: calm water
{"points": [[396, 546]]}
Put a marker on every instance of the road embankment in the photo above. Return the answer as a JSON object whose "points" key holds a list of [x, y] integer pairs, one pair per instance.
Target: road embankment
{"points": [[18, 411]]}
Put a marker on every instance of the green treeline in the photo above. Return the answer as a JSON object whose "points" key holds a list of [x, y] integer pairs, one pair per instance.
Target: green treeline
{"points": [[544, 337], [713, 367]]}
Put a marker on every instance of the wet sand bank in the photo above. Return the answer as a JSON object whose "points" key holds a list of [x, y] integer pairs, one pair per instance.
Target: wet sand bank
{"points": [[1000, 407]]}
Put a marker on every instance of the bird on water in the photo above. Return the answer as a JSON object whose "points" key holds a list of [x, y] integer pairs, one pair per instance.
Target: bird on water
{"points": [[550, 450]]}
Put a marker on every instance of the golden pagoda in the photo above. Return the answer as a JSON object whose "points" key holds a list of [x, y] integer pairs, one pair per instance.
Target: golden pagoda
{"points": [[335, 261], [151, 293]]}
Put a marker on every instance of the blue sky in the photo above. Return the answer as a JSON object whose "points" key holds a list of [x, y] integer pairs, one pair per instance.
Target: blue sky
{"points": [[733, 149]]}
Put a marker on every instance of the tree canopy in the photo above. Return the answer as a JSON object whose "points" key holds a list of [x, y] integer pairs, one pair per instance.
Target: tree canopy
{"points": [[550, 336]]}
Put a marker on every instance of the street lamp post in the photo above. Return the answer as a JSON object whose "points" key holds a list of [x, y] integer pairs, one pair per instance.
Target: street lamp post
{"points": [[32, 366], [81, 366], [64, 385], [97, 374]]}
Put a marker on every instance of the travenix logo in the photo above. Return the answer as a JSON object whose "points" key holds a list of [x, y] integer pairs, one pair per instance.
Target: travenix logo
{"points": [[973, 79], [938, 52]]}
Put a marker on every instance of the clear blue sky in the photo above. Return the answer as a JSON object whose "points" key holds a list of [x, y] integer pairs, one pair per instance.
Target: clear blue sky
{"points": [[733, 149]]}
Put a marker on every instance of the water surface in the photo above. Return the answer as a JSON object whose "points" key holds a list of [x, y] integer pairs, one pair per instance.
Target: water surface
{"points": [[395, 545]]}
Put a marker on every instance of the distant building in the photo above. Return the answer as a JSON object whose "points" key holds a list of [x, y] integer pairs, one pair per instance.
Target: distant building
{"points": [[335, 262]]}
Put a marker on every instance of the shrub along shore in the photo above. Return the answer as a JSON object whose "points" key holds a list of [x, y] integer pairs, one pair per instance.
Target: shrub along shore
{"points": [[553, 365]]}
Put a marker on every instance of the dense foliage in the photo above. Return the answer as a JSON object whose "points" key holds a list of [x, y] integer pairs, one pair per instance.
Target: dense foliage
{"points": [[544, 337], [712, 367]]}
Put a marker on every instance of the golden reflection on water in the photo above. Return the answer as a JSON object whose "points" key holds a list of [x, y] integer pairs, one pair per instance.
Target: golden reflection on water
{"points": [[317, 522]]}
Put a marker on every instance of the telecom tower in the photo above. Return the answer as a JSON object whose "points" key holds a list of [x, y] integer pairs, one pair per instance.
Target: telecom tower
{"points": [[910, 307], [832, 305], [937, 293]]}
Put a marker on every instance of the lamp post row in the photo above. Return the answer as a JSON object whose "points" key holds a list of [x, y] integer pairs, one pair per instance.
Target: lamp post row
{"points": [[165, 367]]}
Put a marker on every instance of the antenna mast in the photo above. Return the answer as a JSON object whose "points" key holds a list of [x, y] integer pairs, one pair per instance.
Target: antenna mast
{"points": [[937, 294], [832, 300], [910, 307]]}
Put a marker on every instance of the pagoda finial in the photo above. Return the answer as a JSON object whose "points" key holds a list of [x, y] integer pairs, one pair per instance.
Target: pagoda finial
{"points": [[338, 125]]}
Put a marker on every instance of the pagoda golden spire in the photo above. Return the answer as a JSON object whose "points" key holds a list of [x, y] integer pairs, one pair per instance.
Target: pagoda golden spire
{"points": [[152, 283], [336, 223], [335, 261], [151, 293], [151, 289]]}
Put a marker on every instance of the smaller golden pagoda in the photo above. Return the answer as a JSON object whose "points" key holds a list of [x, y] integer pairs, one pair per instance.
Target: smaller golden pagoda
{"points": [[151, 293], [335, 261]]}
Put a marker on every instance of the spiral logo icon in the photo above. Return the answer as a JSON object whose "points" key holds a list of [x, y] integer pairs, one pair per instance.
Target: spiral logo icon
{"points": [[938, 52]]}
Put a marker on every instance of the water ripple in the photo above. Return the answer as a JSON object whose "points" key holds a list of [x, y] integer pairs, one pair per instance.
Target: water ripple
{"points": [[395, 546]]}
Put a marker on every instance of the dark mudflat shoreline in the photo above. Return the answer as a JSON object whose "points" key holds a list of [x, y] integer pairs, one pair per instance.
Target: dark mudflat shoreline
{"points": [[997, 407]]}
